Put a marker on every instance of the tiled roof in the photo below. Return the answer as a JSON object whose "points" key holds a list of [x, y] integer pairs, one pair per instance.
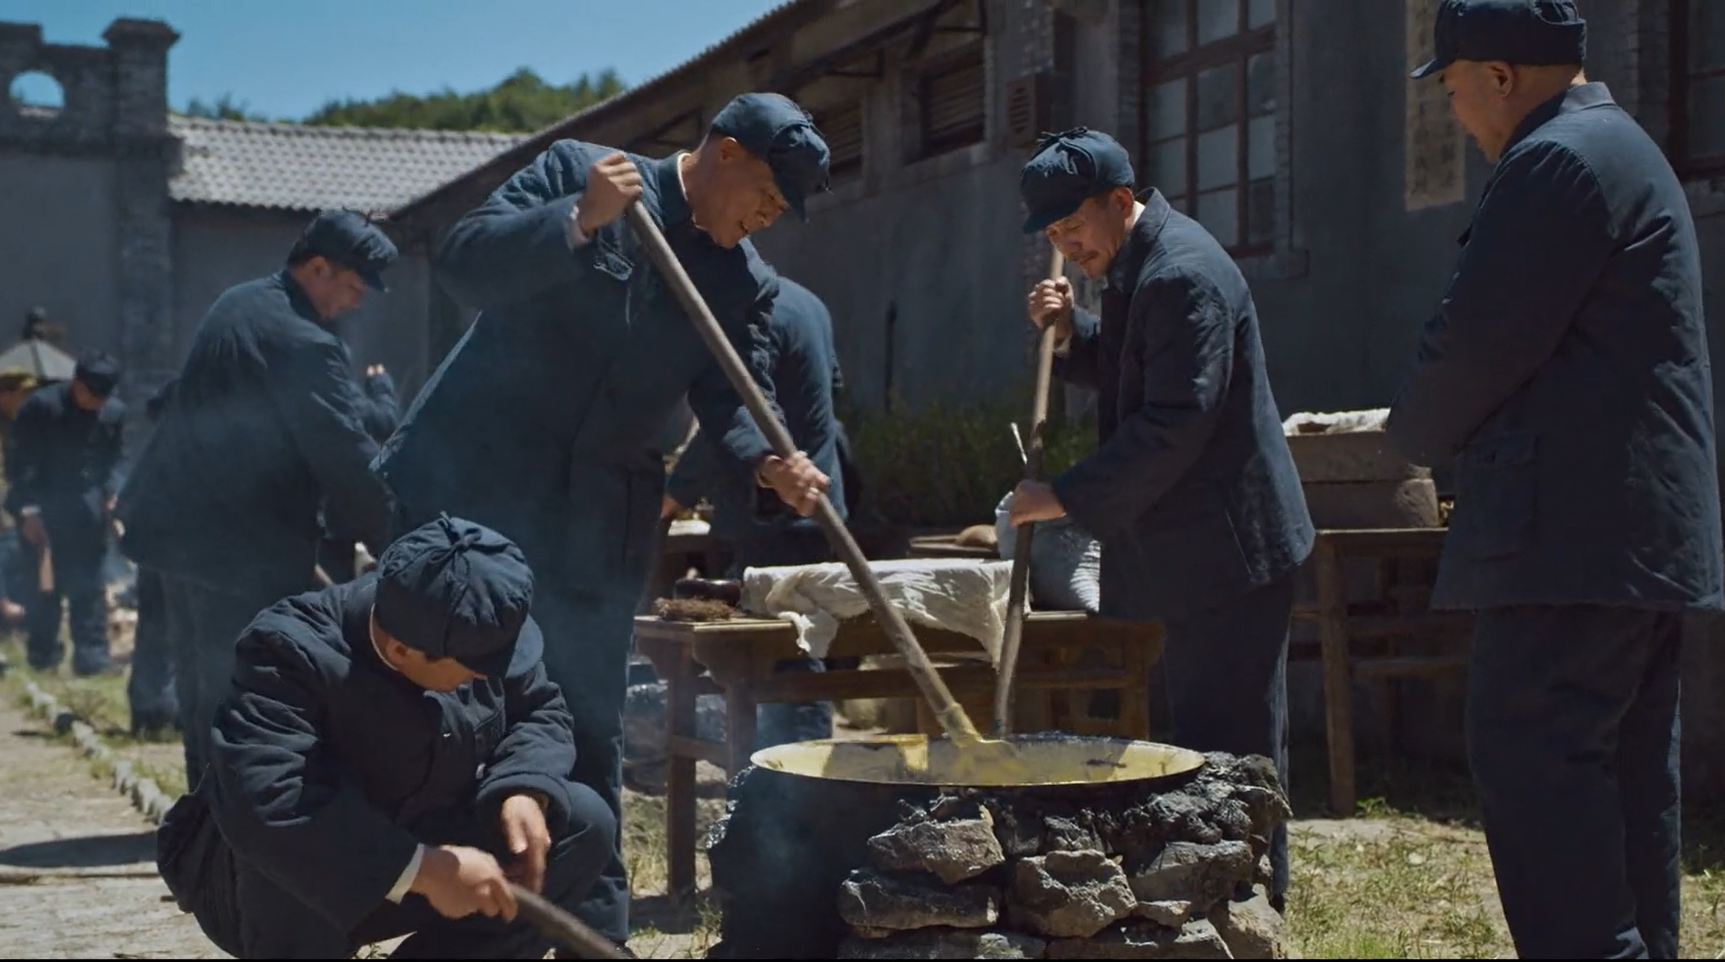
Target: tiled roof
{"points": [[293, 167]]}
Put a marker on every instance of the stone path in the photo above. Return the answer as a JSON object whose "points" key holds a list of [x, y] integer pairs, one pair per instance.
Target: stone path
{"points": [[77, 863]]}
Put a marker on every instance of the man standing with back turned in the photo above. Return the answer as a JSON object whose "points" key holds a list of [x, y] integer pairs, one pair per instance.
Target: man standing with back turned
{"points": [[265, 425], [1192, 490], [541, 422], [1566, 375]]}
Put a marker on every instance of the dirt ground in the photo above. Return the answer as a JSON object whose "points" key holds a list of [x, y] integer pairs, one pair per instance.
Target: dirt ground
{"points": [[1409, 877]]}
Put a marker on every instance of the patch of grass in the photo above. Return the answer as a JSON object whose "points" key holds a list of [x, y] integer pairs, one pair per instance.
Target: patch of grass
{"points": [[1393, 888]]}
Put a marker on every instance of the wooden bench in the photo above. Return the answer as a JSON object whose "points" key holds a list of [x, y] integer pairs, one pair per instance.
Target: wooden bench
{"points": [[1064, 655], [1346, 629]]}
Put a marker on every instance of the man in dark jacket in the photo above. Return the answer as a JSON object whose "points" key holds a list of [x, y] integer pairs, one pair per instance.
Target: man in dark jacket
{"points": [[541, 422], [1566, 376], [759, 528], [390, 756], [150, 685], [1193, 492], [265, 428], [382, 412], [61, 476]]}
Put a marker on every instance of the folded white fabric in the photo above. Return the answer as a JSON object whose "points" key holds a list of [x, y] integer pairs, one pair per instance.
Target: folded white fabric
{"points": [[1336, 422], [956, 594]]}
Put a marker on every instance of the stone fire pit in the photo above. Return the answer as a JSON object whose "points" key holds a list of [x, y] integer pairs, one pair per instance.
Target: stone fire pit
{"points": [[1107, 871]]}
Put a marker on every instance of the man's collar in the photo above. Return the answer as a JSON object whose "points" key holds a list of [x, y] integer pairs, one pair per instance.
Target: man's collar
{"points": [[1152, 214], [1578, 97], [371, 636], [672, 194], [297, 298]]}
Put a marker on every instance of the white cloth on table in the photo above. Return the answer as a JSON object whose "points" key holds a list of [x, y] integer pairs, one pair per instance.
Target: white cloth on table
{"points": [[956, 594], [1336, 422]]}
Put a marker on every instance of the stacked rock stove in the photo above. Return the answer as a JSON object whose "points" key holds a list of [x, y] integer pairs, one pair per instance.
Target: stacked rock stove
{"points": [[1095, 872]]}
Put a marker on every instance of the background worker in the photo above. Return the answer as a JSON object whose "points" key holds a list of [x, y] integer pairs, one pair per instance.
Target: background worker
{"points": [[761, 530], [265, 429], [62, 464]]}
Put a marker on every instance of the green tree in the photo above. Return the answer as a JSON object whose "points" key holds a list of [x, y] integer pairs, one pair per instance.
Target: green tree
{"points": [[222, 108], [522, 102]]}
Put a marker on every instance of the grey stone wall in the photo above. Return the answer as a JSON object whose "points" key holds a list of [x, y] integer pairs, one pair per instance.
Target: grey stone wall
{"points": [[215, 248], [84, 188]]}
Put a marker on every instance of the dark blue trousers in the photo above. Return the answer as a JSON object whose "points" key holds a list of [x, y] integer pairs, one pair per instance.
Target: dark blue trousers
{"points": [[781, 723], [78, 589], [208, 623], [587, 644], [150, 687], [1573, 736], [274, 925], [1226, 670]]}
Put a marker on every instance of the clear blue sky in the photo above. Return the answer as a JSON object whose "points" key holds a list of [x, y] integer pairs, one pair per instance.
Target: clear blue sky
{"points": [[285, 58]]}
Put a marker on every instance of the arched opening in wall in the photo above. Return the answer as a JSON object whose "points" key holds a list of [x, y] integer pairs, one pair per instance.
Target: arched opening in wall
{"points": [[37, 90]]}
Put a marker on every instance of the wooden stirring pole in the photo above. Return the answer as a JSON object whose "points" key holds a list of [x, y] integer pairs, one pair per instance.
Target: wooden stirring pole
{"points": [[1017, 599], [951, 714]]}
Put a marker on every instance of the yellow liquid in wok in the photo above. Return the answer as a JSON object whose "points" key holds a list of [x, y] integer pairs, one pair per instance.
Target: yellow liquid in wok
{"points": [[1018, 762]]}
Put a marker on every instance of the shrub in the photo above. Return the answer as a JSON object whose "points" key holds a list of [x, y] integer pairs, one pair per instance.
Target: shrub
{"points": [[948, 465]]}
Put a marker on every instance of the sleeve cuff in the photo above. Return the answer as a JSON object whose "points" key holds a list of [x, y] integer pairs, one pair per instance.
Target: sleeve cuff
{"points": [[408, 874], [548, 791], [572, 228], [29, 511]]}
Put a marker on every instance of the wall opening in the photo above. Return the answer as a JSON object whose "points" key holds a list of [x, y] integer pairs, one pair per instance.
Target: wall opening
{"points": [[34, 88]]}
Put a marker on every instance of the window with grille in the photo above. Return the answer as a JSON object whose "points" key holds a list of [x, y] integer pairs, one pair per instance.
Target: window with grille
{"points": [[952, 97], [1209, 126], [842, 128], [1698, 105]]}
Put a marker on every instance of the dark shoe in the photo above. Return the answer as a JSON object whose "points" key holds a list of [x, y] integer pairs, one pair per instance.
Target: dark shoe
{"points": [[87, 670], [152, 723], [1280, 904]]}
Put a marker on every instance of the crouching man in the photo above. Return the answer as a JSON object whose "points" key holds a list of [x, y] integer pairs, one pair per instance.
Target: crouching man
{"points": [[389, 758]]}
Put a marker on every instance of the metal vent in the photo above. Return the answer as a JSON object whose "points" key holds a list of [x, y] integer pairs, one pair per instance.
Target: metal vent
{"points": [[842, 127], [954, 99], [1029, 108]]}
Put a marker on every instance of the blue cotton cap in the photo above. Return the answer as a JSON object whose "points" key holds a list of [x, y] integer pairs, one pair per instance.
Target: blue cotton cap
{"points": [[351, 240], [99, 372], [1067, 169], [1526, 32], [455, 589], [775, 129]]}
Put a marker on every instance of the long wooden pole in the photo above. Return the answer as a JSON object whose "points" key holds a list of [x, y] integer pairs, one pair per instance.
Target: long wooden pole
{"points": [[1018, 596], [951, 714], [560, 926]]}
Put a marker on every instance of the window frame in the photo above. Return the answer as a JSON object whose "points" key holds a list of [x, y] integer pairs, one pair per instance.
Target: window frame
{"points": [[847, 169], [1236, 49], [972, 54], [1683, 78]]}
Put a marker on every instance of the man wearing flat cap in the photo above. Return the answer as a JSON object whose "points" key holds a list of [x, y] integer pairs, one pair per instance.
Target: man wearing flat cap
{"points": [[1192, 491], [265, 426], [61, 473], [389, 756], [542, 421], [1565, 377]]}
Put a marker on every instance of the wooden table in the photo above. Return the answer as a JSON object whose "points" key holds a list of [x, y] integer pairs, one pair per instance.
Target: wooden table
{"points": [[1062, 653], [1342, 627]]}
